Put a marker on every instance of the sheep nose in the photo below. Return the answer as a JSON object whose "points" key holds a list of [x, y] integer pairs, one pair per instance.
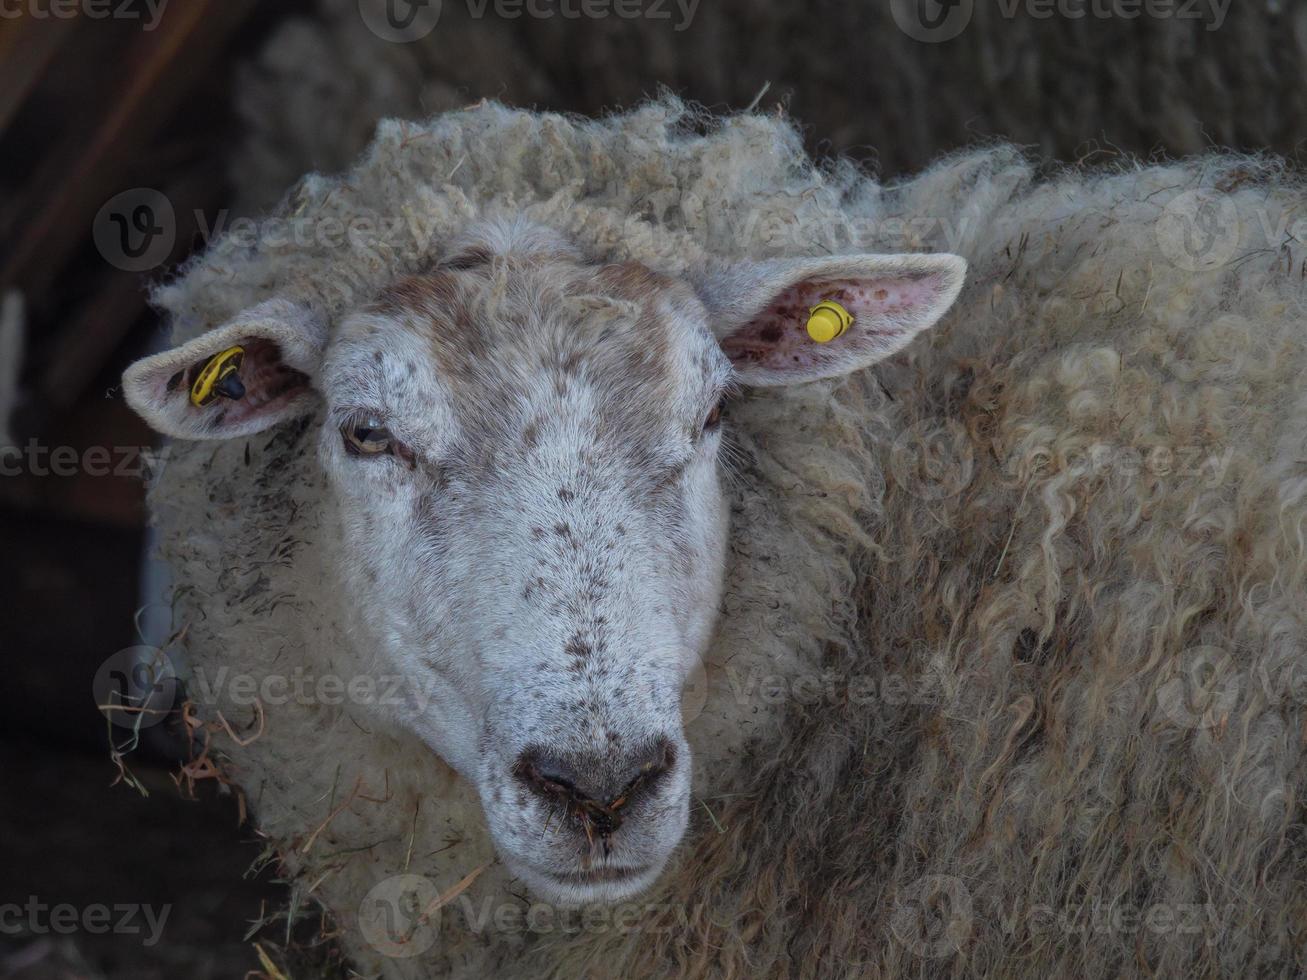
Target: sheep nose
{"points": [[596, 789]]}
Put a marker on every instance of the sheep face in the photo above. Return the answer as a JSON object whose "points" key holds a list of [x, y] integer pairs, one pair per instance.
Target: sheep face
{"points": [[523, 455], [525, 512]]}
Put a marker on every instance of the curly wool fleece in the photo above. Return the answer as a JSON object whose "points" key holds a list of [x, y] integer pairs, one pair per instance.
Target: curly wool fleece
{"points": [[1009, 678]]}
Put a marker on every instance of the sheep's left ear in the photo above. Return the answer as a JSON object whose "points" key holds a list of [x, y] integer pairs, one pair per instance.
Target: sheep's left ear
{"points": [[240, 378], [760, 311]]}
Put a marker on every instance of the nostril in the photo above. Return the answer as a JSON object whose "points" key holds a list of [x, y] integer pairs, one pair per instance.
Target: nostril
{"points": [[645, 770], [545, 775], [596, 788]]}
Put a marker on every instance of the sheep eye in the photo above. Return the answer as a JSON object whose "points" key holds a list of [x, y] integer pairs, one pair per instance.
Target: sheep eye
{"points": [[367, 438], [714, 418]]}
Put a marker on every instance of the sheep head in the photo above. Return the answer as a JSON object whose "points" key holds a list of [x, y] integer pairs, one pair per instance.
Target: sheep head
{"points": [[521, 448]]}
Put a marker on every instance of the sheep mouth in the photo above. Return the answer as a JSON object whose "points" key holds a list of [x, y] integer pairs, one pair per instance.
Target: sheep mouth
{"points": [[595, 876]]}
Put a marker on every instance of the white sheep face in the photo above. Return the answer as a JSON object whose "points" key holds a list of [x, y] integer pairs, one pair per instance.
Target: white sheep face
{"points": [[539, 534], [526, 516]]}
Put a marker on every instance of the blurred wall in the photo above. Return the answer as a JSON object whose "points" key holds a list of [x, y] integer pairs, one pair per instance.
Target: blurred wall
{"points": [[1073, 79]]}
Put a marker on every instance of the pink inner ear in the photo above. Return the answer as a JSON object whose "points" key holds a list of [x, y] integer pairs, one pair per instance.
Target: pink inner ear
{"points": [[270, 386], [778, 336]]}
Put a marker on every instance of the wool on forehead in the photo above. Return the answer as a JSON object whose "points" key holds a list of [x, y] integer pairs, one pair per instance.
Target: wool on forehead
{"points": [[664, 185]]}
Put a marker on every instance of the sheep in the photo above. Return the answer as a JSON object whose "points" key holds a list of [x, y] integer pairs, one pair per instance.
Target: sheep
{"points": [[1006, 674]]}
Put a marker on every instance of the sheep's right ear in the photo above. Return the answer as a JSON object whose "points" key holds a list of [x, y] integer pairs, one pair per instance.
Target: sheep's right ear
{"points": [[194, 392]]}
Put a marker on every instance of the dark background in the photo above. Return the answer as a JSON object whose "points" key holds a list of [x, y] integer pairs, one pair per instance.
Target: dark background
{"points": [[222, 106]]}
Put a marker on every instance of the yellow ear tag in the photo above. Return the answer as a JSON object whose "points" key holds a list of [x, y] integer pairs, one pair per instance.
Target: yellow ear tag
{"points": [[219, 378], [828, 320]]}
